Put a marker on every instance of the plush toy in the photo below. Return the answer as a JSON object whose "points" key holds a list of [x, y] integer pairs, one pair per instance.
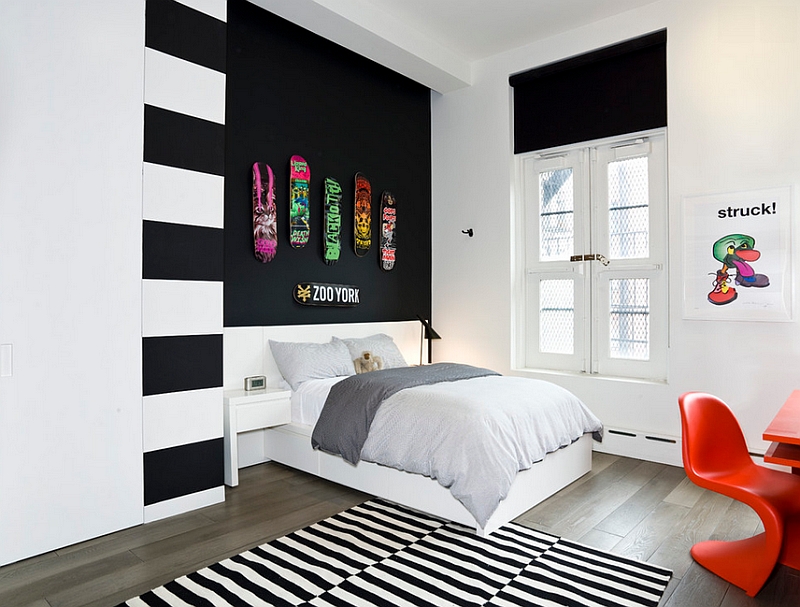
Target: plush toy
{"points": [[367, 362]]}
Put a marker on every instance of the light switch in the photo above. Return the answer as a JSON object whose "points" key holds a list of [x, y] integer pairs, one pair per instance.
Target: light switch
{"points": [[6, 360]]}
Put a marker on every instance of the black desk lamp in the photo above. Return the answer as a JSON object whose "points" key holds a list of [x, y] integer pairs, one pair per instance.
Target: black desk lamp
{"points": [[427, 333]]}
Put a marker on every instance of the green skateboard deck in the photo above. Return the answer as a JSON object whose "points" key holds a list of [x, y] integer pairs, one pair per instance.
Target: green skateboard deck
{"points": [[332, 242]]}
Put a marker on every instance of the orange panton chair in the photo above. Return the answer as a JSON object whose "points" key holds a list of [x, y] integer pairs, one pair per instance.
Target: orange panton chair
{"points": [[715, 457]]}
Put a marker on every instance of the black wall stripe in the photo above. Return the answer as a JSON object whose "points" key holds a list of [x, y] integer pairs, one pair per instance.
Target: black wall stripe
{"points": [[179, 363], [613, 91], [183, 470], [172, 251], [182, 141], [181, 31]]}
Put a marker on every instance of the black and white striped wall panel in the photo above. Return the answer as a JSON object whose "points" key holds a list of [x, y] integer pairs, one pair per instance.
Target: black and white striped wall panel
{"points": [[182, 254]]}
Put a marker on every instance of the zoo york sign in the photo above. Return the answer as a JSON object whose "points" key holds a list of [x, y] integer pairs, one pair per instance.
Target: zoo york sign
{"points": [[320, 294]]}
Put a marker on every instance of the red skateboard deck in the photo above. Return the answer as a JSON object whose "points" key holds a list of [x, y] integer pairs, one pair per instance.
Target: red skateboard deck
{"points": [[388, 231], [265, 213], [299, 216], [363, 215]]}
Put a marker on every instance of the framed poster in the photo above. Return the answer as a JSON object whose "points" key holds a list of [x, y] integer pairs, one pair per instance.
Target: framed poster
{"points": [[737, 256]]}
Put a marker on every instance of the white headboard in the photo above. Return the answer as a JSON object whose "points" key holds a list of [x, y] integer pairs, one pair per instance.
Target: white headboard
{"points": [[246, 349]]}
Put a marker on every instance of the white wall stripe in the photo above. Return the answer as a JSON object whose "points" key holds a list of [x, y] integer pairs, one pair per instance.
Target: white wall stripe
{"points": [[185, 503], [181, 418], [181, 86], [215, 8], [181, 307], [180, 196]]}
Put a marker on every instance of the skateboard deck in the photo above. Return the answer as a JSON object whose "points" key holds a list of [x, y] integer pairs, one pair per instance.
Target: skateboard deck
{"points": [[299, 216], [388, 232], [265, 213], [332, 242], [363, 215]]}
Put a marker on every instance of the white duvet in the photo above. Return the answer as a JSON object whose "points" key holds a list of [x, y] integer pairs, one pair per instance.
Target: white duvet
{"points": [[472, 436]]}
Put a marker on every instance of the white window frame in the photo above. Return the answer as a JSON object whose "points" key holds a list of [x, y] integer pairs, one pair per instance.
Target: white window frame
{"points": [[591, 340]]}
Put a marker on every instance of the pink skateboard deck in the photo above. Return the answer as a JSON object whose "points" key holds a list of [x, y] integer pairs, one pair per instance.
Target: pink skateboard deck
{"points": [[265, 220]]}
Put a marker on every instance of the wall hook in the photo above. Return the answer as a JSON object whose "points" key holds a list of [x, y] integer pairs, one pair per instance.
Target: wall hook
{"points": [[468, 232]]}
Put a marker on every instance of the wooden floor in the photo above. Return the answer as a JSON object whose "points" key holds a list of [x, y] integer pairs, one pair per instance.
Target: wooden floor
{"points": [[640, 509]]}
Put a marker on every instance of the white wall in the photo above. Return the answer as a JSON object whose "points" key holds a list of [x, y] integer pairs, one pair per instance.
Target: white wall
{"points": [[734, 125], [70, 271]]}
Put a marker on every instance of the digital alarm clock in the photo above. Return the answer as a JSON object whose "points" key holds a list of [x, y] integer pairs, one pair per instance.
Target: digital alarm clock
{"points": [[257, 382]]}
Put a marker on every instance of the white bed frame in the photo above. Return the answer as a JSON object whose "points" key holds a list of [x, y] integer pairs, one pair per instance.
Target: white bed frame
{"points": [[247, 353]]}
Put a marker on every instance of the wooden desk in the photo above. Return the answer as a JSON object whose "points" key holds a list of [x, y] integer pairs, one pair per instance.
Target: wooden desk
{"points": [[784, 432]]}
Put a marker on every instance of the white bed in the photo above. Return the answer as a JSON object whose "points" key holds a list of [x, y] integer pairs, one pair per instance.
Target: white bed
{"points": [[247, 352]]}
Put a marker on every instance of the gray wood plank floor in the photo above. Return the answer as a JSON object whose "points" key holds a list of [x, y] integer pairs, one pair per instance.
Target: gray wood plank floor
{"points": [[640, 509]]}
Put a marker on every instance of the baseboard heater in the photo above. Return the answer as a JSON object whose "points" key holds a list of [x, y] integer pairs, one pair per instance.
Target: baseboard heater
{"points": [[641, 445], [661, 439], [651, 447]]}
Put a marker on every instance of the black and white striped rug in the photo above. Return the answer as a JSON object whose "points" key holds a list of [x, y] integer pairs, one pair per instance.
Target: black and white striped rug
{"points": [[379, 553]]}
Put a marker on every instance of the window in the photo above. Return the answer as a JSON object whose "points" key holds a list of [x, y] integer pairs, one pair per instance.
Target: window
{"points": [[592, 260]]}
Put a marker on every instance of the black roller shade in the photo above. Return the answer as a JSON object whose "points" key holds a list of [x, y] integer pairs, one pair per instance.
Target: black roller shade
{"points": [[612, 91]]}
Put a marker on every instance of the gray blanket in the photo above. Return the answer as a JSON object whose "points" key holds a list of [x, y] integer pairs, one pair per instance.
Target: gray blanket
{"points": [[350, 408]]}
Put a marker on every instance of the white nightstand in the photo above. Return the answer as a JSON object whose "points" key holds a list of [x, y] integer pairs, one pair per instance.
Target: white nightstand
{"points": [[251, 410]]}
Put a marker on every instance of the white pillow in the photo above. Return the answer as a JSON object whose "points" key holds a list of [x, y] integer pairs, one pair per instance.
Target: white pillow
{"points": [[301, 361], [380, 345]]}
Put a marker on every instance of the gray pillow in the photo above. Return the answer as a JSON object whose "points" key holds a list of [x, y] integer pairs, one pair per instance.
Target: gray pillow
{"points": [[301, 361], [380, 345]]}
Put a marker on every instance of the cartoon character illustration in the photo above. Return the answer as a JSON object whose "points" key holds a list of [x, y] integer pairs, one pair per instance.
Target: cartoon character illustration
{"points": [[299, 177], [735, 252], [722, 292], [265, 222], [363, 215], [388, 232], [388, 224], [363, 220]]}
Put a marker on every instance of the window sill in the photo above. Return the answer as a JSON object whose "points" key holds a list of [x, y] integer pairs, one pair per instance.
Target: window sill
{"points": [[542, 373]]}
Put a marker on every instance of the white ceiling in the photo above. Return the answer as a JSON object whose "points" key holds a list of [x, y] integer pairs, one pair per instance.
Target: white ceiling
{"points": [[435, 41], [476, 29]]}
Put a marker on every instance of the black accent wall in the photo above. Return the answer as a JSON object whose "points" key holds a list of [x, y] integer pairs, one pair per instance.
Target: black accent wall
{"points": [[292, 92]]}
